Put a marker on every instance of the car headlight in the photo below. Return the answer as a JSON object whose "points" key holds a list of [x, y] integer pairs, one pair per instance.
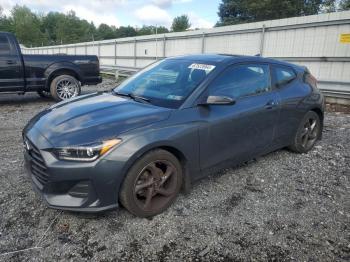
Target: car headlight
{"points": [[85, 153]]}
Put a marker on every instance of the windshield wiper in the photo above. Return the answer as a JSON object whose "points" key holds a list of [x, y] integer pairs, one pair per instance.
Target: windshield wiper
{"points": [[133, 97]]}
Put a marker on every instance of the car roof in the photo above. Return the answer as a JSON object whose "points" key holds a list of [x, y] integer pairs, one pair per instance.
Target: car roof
{"points": [[228, 59]]}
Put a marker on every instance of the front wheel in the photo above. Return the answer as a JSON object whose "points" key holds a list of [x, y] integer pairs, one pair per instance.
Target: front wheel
{"points": [[307, 134], [64, 87], [152, 184]]}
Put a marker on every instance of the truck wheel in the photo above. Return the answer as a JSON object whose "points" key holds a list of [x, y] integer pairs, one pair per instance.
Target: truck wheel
{"points": [[152, 184], [44, 94], [64, 87]]}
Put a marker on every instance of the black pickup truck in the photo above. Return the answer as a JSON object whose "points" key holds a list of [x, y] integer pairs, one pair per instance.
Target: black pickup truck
{"points": [[59, 76]]}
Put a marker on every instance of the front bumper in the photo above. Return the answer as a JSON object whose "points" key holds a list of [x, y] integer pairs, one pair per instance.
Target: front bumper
{"points": [[75, 186]]}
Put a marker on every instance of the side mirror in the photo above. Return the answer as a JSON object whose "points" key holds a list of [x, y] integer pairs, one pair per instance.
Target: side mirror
{"points": [[219, 100]]}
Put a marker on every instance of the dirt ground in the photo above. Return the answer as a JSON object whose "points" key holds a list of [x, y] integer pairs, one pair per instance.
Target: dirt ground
{"points": [[282, 207]]}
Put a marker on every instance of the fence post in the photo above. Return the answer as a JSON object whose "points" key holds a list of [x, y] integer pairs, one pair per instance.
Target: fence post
{"points": [[75, 49], [115, 52], [262, 40], [99, 50], [135, 52], [164, 46], [203, 42]]}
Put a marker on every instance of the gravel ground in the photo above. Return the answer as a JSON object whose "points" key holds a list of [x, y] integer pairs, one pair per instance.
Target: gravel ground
{"points": [[282, 207]]}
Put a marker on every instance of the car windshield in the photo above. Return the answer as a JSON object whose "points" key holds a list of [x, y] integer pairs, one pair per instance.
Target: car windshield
{"points": [[166, 83]]}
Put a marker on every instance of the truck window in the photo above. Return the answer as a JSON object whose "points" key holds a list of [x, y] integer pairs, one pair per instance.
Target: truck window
{"points": [[5, 48]]}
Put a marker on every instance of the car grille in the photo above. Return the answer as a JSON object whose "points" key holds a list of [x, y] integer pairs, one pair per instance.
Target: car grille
{"points": [[37, 164]]}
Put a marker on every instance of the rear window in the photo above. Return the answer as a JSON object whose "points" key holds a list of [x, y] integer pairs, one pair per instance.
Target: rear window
{"points": [[284, 75], [5, 47]]}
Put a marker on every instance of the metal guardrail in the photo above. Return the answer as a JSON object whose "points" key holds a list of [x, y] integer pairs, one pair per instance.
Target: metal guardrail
{"points": [[336, 94], [119, 70]]}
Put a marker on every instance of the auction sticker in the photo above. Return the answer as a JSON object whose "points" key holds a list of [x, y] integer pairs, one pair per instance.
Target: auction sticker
{"points": [[202, 67]]}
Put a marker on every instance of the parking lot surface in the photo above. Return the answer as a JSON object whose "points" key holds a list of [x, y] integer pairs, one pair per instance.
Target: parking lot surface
{"points": [[281, 207]]}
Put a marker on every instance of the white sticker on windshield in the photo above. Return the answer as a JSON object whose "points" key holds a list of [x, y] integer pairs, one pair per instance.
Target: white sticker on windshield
{"points": [[202, 67]]}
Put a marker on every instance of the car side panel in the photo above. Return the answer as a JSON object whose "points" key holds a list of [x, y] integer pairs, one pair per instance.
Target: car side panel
{"points": [[238, 132], [295, 103]]}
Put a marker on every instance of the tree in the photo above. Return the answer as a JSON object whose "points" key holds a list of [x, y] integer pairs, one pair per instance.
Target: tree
{"points": [[162, 30], [329, 6], [180, 23], [345, 5], [26, 26], [125, 31], [150, 30], [5, 22], [106, 32], [50, 24], [241, 11]]}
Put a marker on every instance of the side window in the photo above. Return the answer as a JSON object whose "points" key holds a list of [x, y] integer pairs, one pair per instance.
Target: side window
{"points": [[242, 80], [5, 47], [284, 75]]}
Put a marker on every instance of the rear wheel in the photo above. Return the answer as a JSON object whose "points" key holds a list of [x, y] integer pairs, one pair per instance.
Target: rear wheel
{"points": [[64, 87], [307, 134], [152, 184]]}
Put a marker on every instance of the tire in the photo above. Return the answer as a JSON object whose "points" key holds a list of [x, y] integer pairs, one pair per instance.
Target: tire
{"points": [[44, 94], [64, 87], [308, 133], [156, 176]]}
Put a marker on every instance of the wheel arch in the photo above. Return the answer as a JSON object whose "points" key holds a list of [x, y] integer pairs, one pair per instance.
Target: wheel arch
{"points": [[184, 164], [184, 161], [319, 112], [57, 70]]}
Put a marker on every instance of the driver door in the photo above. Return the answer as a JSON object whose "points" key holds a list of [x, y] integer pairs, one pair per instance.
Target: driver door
{"points": [[11, 71], [245, 129]]}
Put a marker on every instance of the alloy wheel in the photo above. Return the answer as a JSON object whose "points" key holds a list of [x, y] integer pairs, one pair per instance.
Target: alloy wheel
{"points": [[309, 133], [155, 185], [67, 89]]}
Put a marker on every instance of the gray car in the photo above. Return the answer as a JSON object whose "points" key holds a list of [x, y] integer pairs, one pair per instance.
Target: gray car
{"points": [[172, 123]]}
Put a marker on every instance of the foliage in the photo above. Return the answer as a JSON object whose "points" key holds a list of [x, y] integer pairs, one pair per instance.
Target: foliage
{"points": [[105, 31], [26, 25], [345, 5], [55, 28], [242, 11], [149, 30], [181, 23]]}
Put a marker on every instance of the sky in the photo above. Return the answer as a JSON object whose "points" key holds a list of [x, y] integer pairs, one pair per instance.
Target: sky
{"points": [[202, 13]]}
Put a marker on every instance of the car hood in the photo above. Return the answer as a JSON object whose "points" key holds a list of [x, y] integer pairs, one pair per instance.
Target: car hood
{"points": [[93, 118]]}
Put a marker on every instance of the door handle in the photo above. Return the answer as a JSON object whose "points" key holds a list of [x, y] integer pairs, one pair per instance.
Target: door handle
{"points": [[271, 104], [10, 62]]}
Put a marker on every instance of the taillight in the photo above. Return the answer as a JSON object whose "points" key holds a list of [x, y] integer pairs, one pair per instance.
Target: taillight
{"points": [[310, 79]]}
